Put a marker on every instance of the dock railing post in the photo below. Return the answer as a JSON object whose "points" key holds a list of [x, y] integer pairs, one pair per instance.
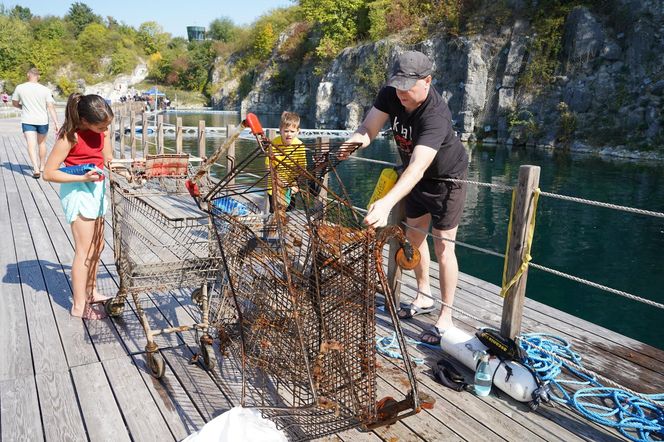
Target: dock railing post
{"points": [[230, 155], [132, 132], [144, 134], [121, 124], [522, 213], [322, 145], [201, 139], [160, 134], [397, 216], [178, 135], [270, 134]]}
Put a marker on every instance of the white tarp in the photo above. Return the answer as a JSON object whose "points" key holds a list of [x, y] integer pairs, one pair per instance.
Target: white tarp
{"points": [[238, 424]]}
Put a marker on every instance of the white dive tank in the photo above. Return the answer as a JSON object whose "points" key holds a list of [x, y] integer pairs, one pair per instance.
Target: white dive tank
{"points": [[510, 377]]}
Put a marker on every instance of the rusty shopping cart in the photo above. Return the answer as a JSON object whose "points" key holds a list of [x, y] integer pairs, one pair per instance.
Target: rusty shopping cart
{"points": [[295, 299], [162, 242]]}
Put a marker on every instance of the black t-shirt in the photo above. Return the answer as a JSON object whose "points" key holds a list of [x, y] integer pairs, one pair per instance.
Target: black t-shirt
{"points": [[429, 125]]}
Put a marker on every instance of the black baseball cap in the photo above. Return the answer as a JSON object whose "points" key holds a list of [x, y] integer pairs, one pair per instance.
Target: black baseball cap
{"points": [[409, 67]]}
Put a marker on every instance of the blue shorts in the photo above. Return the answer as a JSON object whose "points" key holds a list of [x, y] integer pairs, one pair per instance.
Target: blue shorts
{"points": [[41, 129]]}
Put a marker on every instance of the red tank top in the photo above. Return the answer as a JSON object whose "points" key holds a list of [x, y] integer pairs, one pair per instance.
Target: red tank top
{"points": [[88, 149]]}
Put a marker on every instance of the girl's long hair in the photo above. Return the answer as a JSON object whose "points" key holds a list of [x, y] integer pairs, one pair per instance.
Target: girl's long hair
{"points": [[93, 108]]}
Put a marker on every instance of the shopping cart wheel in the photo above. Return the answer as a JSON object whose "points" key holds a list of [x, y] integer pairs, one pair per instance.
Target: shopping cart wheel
{"points": [[156, 364], [197, 297], [209, 359], [114, 306]]}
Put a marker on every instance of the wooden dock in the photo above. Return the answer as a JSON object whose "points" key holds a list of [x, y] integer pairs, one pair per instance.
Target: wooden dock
{"points": [[62, 378]]}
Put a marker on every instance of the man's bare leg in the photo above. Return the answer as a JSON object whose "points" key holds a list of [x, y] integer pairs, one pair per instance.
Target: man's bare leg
{"points": [[448, 268], [31, 139], [41, 141], [417, 235]]}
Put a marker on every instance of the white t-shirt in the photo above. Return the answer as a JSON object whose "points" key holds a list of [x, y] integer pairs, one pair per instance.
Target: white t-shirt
{"points": [[33, 97]]}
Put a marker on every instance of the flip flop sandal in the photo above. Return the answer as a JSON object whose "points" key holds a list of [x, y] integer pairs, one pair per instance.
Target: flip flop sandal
{"points": [[412, 310], [431, 336]]}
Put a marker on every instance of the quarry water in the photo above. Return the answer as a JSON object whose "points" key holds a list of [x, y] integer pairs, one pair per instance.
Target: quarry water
{"points": [[613, 248]]}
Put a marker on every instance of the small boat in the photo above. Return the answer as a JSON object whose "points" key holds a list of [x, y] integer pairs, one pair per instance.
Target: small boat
{"points": [[139, 130]]}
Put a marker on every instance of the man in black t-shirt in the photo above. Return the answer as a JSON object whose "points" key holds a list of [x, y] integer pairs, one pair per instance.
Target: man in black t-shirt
{"points": [[430, 151]]}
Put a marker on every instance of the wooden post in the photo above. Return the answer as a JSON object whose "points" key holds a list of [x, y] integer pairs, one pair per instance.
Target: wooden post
{"points": [[160, 134], [144, 134], [201, 139], [178, 135], [397, 216], [322, 145], [521, 216], [122, 135], [230, 155], [132, 132], [270, 134]]}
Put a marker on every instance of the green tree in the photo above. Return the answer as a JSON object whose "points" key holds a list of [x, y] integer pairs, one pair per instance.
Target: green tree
{"points": [[264, 41], [200, 59], [14, 44], [151, 37], [21, 13], [80, 16], [222, 29], [337, 20], [93, 44]]}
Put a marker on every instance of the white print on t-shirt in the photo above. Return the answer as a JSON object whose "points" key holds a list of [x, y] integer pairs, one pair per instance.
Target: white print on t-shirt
{"points": [[403, 136], [405, 132]]}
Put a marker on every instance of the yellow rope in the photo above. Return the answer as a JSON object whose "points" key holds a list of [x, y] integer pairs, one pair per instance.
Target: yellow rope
{"points": [[529, 241]]}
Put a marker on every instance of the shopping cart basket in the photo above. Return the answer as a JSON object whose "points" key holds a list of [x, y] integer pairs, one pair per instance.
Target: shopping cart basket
{"points": [[162, 242], [295, 300]]}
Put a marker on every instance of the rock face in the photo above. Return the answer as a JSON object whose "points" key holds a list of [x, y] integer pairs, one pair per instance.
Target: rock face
{"points": [[609, 77], [120, 86]]}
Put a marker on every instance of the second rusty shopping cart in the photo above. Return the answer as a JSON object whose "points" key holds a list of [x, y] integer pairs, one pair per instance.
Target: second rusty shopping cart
{"points": [[294, 302], [162, 242]]}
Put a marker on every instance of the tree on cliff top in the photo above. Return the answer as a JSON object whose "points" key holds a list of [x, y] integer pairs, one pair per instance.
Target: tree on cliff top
{"points": [[80, 16]]}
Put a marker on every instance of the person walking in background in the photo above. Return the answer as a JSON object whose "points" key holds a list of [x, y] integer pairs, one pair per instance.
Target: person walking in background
{"points": [[430, 151], [35, 100], [5, 99], [83, 139], [289, 153]]}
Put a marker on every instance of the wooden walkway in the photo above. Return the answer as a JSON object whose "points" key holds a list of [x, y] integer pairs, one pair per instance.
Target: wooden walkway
{"points": [[62, 378]]}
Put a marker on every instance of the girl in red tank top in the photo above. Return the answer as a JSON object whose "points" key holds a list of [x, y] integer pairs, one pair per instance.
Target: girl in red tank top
{"points": [[84, 138]]}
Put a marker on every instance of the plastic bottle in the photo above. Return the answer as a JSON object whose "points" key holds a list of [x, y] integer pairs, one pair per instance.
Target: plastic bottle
{"points": [[482, 382], [388, 177]]}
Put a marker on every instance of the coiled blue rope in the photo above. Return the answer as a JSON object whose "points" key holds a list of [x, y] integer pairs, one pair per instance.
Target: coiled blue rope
{"points": [[389, 346], [635, 418]]}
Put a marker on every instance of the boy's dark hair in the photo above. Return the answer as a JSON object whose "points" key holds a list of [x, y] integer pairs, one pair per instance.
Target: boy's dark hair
{"points": [[91, 107], [290, 119]]}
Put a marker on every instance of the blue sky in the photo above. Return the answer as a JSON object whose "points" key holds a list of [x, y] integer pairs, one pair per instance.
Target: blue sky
{"points": [[173, 16]]}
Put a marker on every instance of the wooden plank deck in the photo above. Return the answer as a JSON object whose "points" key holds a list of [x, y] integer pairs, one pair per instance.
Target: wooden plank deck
{"points": [[62, 378]]}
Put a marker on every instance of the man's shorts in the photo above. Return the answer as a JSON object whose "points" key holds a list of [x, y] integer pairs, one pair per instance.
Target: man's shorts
{"points": [[41, 129], [444, 200]]}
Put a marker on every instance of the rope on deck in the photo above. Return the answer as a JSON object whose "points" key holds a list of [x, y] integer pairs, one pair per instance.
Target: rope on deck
{"points": [[389, 346], [635, 415]]}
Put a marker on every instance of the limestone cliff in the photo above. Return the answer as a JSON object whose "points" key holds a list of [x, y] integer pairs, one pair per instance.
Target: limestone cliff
{"points": [[607, 90]]}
